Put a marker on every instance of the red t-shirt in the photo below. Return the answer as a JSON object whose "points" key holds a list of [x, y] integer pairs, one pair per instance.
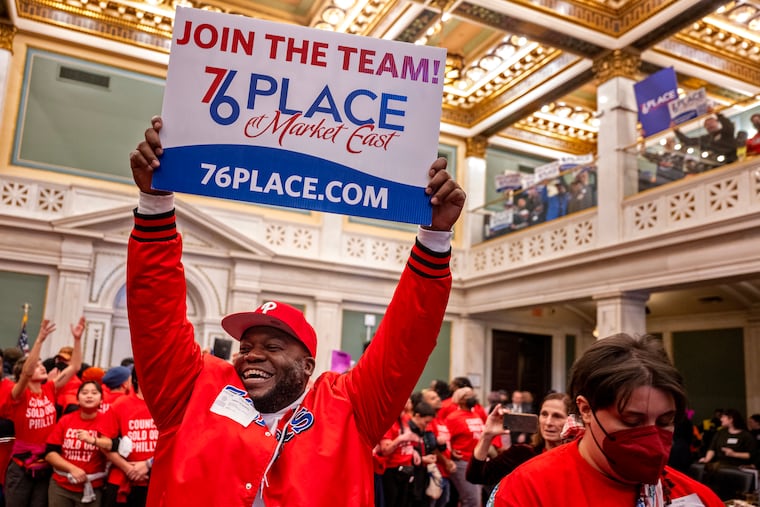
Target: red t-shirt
{"points": [[111, 396], [6, 386], [561, 477], [133, 420], [83, 455], [67, 395], [448, 406], [466, 428], [401, 455], [33, 414], [442, 435], [753, 145]]}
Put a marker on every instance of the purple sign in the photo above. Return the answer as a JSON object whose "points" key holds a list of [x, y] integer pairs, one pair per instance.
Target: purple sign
{"points": [[340, 362], [652, 97]]}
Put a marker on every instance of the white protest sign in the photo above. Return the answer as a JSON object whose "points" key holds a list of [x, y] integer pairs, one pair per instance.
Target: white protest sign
{"points": [[510, 180], [501, 220], [574, 160], [299, 117], [688, 107], [547, 171]]}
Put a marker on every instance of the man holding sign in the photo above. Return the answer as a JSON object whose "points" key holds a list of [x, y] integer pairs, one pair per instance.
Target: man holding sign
{"points": [[252, 433]]}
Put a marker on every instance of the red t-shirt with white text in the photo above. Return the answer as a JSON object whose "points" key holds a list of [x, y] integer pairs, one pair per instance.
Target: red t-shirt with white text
{"points": [[83, 455]]}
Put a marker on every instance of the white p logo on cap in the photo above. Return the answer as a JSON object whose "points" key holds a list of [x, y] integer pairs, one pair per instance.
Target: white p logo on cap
{"points": [[269, 305]]}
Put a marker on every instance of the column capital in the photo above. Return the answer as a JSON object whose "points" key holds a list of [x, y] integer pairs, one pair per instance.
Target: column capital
{"points": [[6, 36], [616, 63], [476, 146]]}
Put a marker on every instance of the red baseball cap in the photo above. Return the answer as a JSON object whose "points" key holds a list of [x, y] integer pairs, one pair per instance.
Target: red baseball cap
{"points": [[274, 314]]}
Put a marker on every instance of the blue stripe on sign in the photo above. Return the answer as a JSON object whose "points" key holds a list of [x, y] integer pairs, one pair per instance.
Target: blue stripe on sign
{"points": [[286, 178]]}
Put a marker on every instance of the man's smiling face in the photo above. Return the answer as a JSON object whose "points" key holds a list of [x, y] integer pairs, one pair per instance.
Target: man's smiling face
{"points": [[274, 367]]}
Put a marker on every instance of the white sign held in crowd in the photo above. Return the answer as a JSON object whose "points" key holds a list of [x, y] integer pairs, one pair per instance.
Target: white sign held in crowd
{"points": [[571, 161], [299, 117], [546, 172], [508, 181], [688, 107]]}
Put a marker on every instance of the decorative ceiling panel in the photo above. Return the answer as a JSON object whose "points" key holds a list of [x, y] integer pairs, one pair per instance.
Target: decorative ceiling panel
{"points": [[498, 52]]}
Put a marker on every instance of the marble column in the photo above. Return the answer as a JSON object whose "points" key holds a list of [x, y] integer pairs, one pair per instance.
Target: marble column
{"points": [[328, 323], [617, 173], [468, 352], [75, 267], [6, 52], [475, 187], [621, 312]]}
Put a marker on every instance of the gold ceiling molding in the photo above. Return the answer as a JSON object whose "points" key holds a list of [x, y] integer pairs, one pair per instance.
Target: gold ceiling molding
{"points": [[476, 146], [517, 71], [578, 119], [745, 13], [366, 21], [72, 19], [6, 36], [541, 139], [556, 62], [551, 65], [556, 127], [457, 116], [617, 63], [599, 16], [356, 17], [708, 58], [720, 41], [143, 24]]}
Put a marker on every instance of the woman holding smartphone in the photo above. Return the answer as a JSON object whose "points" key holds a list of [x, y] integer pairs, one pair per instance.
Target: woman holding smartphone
{"points": [[551, 419]]}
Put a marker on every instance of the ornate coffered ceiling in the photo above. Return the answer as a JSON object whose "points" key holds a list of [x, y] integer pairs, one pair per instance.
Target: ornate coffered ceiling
{"points": [[523, 72]]}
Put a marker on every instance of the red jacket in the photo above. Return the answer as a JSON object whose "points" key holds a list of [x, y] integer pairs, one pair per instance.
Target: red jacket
{"points": [[203, 458]]}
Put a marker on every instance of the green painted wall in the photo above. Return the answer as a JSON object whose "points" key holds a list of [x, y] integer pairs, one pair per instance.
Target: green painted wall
{"points": [[712, 363], [354, 337], [79, 128], [15, 290]]}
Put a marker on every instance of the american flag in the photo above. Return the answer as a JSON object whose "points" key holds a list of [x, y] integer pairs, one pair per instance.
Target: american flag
{"points": [[23, 338]]}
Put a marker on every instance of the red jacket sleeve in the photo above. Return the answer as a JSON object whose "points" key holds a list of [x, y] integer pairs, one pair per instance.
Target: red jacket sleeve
{"points": [[167, 359], [388, 371]]}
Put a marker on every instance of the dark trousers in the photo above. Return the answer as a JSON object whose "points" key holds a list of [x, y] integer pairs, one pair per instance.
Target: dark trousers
{"points": [[397, 487], [24, 490], [138, 496]]}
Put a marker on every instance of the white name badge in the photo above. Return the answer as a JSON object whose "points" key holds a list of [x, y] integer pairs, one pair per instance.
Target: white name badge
{"points": [[235, 404], [687, 501], [732, 441]]}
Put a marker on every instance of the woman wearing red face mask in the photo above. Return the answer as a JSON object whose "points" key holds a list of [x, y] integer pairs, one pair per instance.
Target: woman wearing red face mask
{"points": [[628, 396]]}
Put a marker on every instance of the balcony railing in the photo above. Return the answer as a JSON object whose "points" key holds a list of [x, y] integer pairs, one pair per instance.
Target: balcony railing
{"points": [[705, 199]]}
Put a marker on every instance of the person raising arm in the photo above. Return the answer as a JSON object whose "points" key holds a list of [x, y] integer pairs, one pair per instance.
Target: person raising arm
{"points": [[210, 413]]}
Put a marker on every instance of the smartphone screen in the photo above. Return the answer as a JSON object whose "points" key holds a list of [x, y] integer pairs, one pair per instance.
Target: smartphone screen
{"points": [[521, 423]]}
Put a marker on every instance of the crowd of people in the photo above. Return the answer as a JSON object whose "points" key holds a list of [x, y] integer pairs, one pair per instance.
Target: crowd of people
{"points": [[681, 155], [260, 431], [76, 434], [546, 201], [444, 427], [444, 448]]}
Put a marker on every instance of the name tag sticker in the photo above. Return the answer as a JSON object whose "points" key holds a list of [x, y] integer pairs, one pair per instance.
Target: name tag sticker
{"points": [[234, 404], [687, 501], [732, 441]]}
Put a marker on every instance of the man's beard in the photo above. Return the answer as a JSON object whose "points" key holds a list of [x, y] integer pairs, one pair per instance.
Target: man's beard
{"points": [[286, 391]]}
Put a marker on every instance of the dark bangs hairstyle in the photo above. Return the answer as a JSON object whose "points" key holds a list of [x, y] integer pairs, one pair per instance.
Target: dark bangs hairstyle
{"points": [[612, 368]]}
